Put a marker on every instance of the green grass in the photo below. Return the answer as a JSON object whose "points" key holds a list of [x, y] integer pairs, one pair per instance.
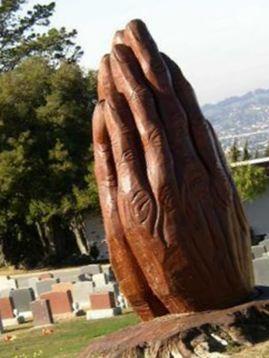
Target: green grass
{"points": [[68, 338]]}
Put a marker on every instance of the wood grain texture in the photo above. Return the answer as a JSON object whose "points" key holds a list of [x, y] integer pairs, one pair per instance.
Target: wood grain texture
{"points": [[177, 234]]}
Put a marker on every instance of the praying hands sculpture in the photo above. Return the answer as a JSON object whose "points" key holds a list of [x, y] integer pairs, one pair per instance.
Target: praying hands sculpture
{"points": [[177, 235]]}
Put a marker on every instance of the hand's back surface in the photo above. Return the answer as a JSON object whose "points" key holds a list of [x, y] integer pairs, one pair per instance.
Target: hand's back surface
{"points": [[176, 231]]}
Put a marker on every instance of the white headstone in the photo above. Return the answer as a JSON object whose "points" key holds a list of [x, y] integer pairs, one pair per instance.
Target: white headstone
{"points": [[81, 292], [100, 280], [103, 313], [7, 283]]}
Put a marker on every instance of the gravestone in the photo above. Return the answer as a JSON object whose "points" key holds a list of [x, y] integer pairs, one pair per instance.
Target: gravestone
{"points": [[110, 287], [68, 276], [6, 308], [7, 283], [32, 284], [62, 287], [45, 276], [100, 280], [42, 314], [85, 277], [110, 274], [23, 282], [261, 271], [103, 305], [90, 269], [265, 243], [81, 294], [22, 298], [60, 302], [45, 286], [5, 292], [258, 251], [102, 300]]}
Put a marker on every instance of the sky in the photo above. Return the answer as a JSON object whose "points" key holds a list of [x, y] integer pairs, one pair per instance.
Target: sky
{"points": [[222, 46]]}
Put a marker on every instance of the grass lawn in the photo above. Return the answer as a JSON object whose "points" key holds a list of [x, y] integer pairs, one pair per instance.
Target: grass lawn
{"points": [[67, 340]]}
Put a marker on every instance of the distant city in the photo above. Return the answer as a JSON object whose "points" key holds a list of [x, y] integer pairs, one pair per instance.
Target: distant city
{"points": [[244, 118]]}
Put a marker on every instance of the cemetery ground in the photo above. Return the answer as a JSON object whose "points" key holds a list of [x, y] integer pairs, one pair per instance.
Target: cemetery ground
{"points": [[67, 339]]}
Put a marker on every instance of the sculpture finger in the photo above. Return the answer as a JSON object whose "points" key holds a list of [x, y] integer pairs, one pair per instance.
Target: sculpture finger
{"points": [[118, 38], [105, 83], [132, 183], [191, 173], [149, 252], [137, 209], [137, 36], [130, 277], [125, 148], [200, 132], [159, 162], [189, 169], [239, 217]]}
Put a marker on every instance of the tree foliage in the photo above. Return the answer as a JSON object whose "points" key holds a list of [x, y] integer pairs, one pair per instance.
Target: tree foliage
{"points": [[266, 153], [251, 181], [46, 175], [22, 35], [246, 154], [234, 153]]}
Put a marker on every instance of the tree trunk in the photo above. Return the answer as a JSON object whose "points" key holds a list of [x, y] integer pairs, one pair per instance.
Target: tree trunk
{"points": [[79, 237], [203, 335], [48, 230], [42, 237]]}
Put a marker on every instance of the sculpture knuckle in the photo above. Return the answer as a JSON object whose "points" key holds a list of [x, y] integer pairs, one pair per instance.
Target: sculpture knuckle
{"points": [[128, 156], [103, 149], [157, 66], [142, 206], [154, 137], [141, 94], [197, 178], [166, 197], [110, 181]]}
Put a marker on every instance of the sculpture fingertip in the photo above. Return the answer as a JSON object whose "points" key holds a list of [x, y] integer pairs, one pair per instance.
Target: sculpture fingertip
{"points": [[138, 29], [100, 105], [104, 59], [135, 23], [118, 38], [121, 53]]}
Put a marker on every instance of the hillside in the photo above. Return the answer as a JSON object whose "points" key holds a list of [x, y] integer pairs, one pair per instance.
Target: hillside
{"points": [[242, 115]]}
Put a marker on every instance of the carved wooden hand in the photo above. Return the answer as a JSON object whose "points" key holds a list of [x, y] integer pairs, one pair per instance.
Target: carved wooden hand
{"points": [[177, 235]]}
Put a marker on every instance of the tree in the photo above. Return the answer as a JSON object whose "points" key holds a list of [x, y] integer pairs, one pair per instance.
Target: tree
{"points": [[46, 175], [246, 154], [20, 38], [266, 154], [251, 181], [234, 152], [257, 154]]}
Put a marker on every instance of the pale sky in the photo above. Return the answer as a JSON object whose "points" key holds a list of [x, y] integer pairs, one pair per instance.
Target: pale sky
{"points": [[221, 45]]}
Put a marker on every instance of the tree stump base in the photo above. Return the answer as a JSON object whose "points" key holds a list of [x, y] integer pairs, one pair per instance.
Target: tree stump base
{"points": [[204, 334]]}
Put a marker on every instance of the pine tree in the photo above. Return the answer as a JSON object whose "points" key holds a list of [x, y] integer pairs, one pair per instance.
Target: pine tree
{"points": [[234, 152], [21, 38], [257, 154], [266, 154], [246, 154]]}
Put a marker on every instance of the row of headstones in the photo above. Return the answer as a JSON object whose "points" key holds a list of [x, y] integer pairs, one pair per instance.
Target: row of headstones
{"points": [[73, 275], [260, 256], [55, 305], [16, 302], [44, 282]]}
